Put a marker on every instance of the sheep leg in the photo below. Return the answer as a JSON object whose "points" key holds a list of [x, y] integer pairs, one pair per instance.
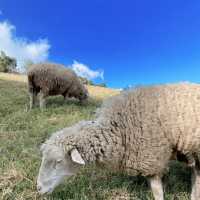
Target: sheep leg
{"points": [[42, 100], [195, 194], [32, 100], [156, 187], [66, 97]]}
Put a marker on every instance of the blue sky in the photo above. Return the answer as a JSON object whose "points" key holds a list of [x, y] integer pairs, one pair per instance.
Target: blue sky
{"points": [[132, 41]]}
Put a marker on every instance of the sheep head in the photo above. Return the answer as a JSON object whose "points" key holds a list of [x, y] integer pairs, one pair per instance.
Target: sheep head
{"points": [[83, 94], [55, 166]]}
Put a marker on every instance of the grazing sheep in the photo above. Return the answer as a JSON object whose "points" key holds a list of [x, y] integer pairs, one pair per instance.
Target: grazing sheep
{"points": [[136, 132], [53, 79]]}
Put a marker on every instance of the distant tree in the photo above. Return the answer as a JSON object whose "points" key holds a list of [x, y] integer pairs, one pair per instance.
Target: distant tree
{"points": [[102, 84], [85, 81], [7, 64], [133, 86], [89, 82]]}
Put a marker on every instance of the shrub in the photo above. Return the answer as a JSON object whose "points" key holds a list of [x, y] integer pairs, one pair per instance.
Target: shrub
{"points": [[7, 64]]}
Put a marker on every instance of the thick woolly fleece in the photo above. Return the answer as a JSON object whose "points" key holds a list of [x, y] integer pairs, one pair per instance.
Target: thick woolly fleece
{"points": [[138, 130], [55, 79]]}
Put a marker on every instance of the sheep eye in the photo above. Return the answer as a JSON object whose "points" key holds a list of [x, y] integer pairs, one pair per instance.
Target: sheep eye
{"points": [[58, 161]]}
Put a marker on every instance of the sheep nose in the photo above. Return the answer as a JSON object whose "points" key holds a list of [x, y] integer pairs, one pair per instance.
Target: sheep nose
{"points": [[39, 188]]}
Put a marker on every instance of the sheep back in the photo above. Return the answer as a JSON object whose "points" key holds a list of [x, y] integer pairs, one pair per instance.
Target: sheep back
{"points": [[152, 122]]}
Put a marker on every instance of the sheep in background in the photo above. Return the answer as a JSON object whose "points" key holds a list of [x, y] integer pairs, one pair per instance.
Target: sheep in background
{"points": [[136, 132], [50, 79]]}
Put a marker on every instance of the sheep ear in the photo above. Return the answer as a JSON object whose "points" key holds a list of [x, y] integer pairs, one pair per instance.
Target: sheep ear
{"points": [[76, 157]]}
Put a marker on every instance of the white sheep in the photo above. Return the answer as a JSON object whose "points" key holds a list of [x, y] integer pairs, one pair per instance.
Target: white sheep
{"points": [[136, 132]]}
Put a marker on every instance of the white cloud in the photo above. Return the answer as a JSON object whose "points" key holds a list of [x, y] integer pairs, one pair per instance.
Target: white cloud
{"points": [[85, 71], [20, 48]]}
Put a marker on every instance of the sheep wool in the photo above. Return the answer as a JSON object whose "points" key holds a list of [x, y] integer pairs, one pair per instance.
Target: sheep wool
{"points": [[138, 130]]}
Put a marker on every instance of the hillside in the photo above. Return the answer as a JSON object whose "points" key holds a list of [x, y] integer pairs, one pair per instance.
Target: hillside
{"points": [[23, 131], [95, 91]]}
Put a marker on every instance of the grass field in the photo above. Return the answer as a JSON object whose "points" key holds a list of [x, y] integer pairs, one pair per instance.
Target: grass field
{"points": [[22, 132]]}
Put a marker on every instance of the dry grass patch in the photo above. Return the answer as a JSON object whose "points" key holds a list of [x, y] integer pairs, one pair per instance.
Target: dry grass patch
{"points": [[119, 194], [9, 180], [13, 77], [101, 92]]}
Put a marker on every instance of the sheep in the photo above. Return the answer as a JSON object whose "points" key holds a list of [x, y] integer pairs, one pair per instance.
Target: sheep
{"points": [[53, 79], [136, 132]]}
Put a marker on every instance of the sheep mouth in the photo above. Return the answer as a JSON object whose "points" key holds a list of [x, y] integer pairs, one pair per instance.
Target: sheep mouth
{"points": [[47, 192]]}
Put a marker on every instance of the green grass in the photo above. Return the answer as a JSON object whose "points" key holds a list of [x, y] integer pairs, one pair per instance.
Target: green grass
{"points": [[23, 131]]}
